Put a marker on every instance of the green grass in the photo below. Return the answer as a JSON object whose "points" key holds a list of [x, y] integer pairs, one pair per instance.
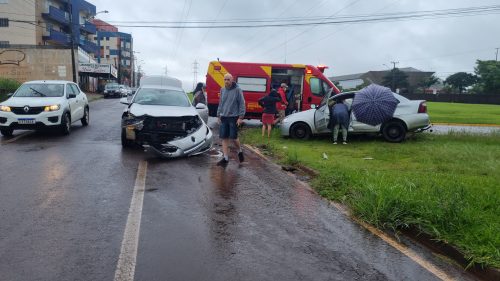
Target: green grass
{"points": [[441, 112], [446, 186], [3, 97]]}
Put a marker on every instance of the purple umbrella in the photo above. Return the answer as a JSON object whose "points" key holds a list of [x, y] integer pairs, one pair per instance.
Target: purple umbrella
{"points": [[374, 105]]}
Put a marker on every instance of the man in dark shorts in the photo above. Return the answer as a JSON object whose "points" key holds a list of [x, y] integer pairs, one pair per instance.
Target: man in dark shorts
{"points": [[230, 113]]}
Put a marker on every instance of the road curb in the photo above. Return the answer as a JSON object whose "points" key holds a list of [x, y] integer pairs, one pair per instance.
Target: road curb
{"points": [[426, 240]]}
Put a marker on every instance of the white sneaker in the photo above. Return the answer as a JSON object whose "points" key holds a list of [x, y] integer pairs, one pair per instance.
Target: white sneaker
{"points": [[334, 142], [344, 142]]}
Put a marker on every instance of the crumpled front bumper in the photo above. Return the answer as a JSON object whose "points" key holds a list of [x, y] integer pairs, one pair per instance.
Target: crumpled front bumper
{"points": [[193, 144]]}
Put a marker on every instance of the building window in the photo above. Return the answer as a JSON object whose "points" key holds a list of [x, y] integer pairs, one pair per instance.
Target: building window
{"points": [[252, 84], [4, 22], [4, 44], [95, 38], [107, 47], [107, 56], [107, 38]]}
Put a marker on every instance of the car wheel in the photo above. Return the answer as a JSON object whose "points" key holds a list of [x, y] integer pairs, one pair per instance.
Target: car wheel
{"points": [[86, 117], [300, 131], [7, 132], [65, 124], [394, 131], [125, 142]]}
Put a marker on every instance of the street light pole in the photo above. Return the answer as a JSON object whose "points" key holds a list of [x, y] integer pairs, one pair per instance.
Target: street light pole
{"points": [[394, 75], [72, 41], [496, 56]]}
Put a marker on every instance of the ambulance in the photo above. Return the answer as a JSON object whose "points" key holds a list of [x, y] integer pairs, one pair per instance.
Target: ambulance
{"points": [[307, 84]]}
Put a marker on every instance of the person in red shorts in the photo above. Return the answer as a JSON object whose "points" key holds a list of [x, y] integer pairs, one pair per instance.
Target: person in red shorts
{"points": [[269, 104]]}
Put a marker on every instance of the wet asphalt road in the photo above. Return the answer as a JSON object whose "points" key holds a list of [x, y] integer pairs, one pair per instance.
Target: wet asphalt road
{"points": [[64, 202]]}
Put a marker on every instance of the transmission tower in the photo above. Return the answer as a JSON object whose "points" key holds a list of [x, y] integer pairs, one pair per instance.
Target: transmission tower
{"points": [[195, 73]]}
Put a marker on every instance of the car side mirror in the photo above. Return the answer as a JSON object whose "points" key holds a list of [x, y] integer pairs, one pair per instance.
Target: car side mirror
{"points": [[71, 96], [313, 106], [201, 106], [124, 101]]}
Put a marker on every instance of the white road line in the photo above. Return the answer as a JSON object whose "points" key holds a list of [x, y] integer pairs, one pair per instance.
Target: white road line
{"points": [[125, 269], [398, 246], [17, 137]]}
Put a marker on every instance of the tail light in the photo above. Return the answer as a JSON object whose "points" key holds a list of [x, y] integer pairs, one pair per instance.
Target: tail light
{"points": [[422, 108]]}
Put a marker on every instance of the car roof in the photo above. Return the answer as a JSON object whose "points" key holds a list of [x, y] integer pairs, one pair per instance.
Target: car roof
{"points": [[48, 82], [161, 87], [161, 81]]}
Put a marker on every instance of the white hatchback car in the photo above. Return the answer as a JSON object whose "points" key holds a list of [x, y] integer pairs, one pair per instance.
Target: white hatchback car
{"points": [[410, 116], [161, 119], [44, 104]]}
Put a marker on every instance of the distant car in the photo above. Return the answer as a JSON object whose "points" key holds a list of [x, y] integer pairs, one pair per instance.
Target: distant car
{"points": [[161, 119], [410, 116], [113, 90], [44, 104]]}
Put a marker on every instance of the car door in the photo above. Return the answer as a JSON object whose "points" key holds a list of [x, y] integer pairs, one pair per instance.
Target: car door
{"points": [[322, 115], [73, 103], [356, 126], [80, 100]]}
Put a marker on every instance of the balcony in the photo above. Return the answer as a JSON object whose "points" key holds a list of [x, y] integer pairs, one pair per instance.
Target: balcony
{"points": [[89, 47], [57, 37], [88, 27], [57, 15]]}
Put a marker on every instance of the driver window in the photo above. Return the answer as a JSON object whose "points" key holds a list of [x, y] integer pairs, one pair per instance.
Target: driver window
{"points": [[316, 88], [69, 90], [75, 89]]}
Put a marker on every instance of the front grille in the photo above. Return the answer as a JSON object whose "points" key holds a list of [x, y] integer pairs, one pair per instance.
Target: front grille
{"points": [[160, 130], [3, 120], [31, 110], [184, 124]]}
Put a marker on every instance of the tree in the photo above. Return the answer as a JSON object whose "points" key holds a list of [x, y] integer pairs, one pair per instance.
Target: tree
{"points": [[461, 80], [428, 81], [395, 79], [489, 76]]}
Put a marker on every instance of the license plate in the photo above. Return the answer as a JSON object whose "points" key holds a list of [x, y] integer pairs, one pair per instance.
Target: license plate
{"points": [[26, 121]]}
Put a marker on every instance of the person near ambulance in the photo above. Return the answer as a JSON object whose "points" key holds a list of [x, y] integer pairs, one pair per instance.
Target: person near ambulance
{"points": [[230, 114], [283, 104]]}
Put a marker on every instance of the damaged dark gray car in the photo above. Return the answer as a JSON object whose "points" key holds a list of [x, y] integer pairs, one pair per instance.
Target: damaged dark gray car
{"points": [[161, 119]]}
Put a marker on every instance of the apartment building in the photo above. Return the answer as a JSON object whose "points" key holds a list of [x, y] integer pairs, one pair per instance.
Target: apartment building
{"points": [[48, 22], [115, 48]]}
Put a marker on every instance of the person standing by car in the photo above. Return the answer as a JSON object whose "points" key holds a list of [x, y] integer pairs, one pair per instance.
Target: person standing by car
{"points": [[283, 104], [199, 95], [269, 104], [339, 118], [230, 115]]}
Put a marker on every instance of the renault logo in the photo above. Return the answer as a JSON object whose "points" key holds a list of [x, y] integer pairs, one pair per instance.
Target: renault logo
{"points": [[26, 109]]}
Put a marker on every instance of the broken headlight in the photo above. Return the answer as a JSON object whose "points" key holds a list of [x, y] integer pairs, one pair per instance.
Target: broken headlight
{"points": [[136, 121]]}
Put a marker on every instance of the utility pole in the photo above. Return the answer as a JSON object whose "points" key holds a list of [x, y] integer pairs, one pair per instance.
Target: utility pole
{"points": [[195, 73], [496, 56], [166, 70], [72, 41], [394, 75]]}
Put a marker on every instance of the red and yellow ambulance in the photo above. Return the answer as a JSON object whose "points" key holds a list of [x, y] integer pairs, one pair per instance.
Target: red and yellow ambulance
{"points": [[306, 84]]}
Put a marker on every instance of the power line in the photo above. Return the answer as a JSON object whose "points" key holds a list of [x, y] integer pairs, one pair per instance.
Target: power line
{"points": [[268, 37], [305, 30], [208, 31]]}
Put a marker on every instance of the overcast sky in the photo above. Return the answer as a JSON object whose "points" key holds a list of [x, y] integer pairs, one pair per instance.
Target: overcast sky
{"points": [[445, 45]]}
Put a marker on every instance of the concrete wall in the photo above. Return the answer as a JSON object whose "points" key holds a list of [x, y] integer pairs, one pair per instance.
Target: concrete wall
{"points": [[36, 63]]}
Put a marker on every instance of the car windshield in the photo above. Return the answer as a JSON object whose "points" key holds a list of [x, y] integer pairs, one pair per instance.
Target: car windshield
{"points": [[165, 97], [111, 86], [40, 90]]}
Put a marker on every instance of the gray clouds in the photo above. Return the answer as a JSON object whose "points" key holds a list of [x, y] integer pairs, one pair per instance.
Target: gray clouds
{"points": [[444, 45]]}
